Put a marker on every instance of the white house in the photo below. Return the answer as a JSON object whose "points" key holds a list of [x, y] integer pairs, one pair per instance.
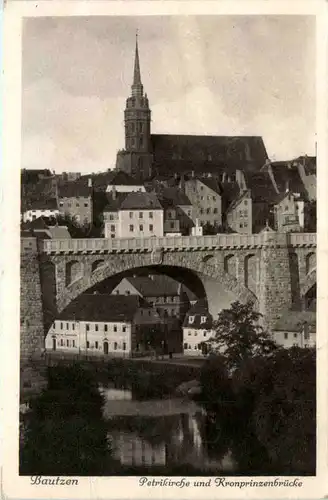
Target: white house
{"points": [[197, 329], [41, 208], [99, 324], [296, 328], [135, 215]]}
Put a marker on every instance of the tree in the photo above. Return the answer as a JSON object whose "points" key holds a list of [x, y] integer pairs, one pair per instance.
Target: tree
{"points": [[239, 335]]}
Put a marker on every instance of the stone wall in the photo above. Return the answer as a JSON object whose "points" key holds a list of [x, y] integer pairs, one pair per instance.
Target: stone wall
{"points": [[31, 318]]}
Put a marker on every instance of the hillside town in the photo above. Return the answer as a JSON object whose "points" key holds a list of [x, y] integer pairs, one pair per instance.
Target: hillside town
{"points": [[166, 186]]}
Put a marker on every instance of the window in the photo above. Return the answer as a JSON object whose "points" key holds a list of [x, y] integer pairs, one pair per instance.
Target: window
{"points": [[140, 227], [77, 204], [124, 346], [241, 225], [67, 343], [111, 217], [131, 228], [286, 335], [112, 228], [241, 213], [196, 347], [96, 328], [86, 204], [87, 327], [214, 198], [127, 292], [61, 204], [131, 215], [185, 345], [203, 319], [61, 326], [115, 346], [201, 188], [202, 197], [88, 344], [73, 342], [96, 344], [169, 215], [124, 329], [73, 326], [189, 332], [106, 326], [195, 333], [172, 225], [201, 210], [61, 342], [151, 227], [191, 319], [140, 215], [67, 326], [245, 202], [115, 328], [205, 333], [208, 210], [150, 215], [215, 210]]}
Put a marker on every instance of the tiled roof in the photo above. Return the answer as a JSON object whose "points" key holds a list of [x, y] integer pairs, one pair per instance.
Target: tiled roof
{"points": [[177, 153], [286, 176], [141, 201], [238, 199], [199, 310], [114, 203], [59, 232], [156, 286], [292, 321], [74, 189], [212, 183], [173, 196], [102, 308], [39, 223], [120, 178], [43, 204], [261, 187], [309, 162]]}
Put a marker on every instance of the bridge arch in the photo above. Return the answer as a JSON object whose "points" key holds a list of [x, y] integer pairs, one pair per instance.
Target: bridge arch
{"points": [[211, 276]]}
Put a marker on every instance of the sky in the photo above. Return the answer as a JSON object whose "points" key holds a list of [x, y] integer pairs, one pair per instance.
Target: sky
{"points": [[209, 75]]}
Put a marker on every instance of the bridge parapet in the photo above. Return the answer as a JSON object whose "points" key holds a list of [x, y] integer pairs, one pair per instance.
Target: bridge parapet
{"points": [[175, 243]]}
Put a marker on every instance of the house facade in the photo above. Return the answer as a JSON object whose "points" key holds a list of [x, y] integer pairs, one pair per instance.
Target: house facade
{"points": [[239, 213], [197, 330], [41, 208], [75, 200], [205, 197], [296, 328]]}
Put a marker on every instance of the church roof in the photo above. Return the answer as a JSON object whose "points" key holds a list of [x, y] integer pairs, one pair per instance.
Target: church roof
{"points": [[176, 153], [120, 178]]}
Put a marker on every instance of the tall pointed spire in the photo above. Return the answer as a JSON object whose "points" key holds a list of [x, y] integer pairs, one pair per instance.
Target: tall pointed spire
{"points": [[137, 87], [136, 74]]}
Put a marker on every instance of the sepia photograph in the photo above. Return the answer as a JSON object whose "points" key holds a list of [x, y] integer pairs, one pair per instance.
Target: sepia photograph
{"points": [[168, 247]]}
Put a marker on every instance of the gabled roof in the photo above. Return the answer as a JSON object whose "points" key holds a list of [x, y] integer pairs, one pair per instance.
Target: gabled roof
{"points": [[199, 311], [238, 199], [155, 286], [120, 178], [39, 223], [291, 321], [141, 201], [114, 201], [212, 183], [102, 308], [173, 196], [43, 204], [261, 187], [74, 189], [59, 232]]}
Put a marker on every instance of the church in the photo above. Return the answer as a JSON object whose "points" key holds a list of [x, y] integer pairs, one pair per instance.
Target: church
{"points": [[148, 155]]}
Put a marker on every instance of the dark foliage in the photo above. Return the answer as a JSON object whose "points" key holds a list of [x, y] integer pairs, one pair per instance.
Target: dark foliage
{"points": [[64, 433]]}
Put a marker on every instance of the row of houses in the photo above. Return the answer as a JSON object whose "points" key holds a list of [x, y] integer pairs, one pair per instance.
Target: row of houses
{"points": [[101, 324], [280, 196]]}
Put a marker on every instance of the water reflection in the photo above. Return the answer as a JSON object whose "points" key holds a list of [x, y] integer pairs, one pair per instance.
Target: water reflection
{"points": [[161, 432]]}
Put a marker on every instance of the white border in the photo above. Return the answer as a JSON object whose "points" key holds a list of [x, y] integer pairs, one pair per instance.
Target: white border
{"points": [[14, 486]]}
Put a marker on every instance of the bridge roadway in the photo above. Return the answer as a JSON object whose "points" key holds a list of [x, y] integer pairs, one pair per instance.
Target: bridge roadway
{"points": [[175, 243]]}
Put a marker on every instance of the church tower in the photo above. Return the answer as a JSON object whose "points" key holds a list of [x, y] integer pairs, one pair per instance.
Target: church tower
{"points": [[136, 158]]}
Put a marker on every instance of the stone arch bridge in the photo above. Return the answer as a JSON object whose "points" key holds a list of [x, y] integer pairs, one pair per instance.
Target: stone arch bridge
{"points": [[273, 270]]}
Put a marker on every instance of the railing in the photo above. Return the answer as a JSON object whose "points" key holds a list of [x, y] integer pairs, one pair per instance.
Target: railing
{"points": [[218, 241]]}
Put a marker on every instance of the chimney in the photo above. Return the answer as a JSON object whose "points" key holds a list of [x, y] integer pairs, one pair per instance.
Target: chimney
{"points": [[287, 186], [182, 183], [114, 193], [192, 173], [90, 183], [224, 176]]}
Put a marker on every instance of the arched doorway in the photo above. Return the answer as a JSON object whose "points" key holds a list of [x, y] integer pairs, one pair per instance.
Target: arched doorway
{"points": [[105, 347]]}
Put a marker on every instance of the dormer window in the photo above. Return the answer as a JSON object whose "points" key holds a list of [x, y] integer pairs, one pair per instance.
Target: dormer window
{"points": [[203, 319], [191, 319]]}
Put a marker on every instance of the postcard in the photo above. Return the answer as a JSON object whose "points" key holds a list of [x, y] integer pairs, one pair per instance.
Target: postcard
{"points": [[164, 257]]}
